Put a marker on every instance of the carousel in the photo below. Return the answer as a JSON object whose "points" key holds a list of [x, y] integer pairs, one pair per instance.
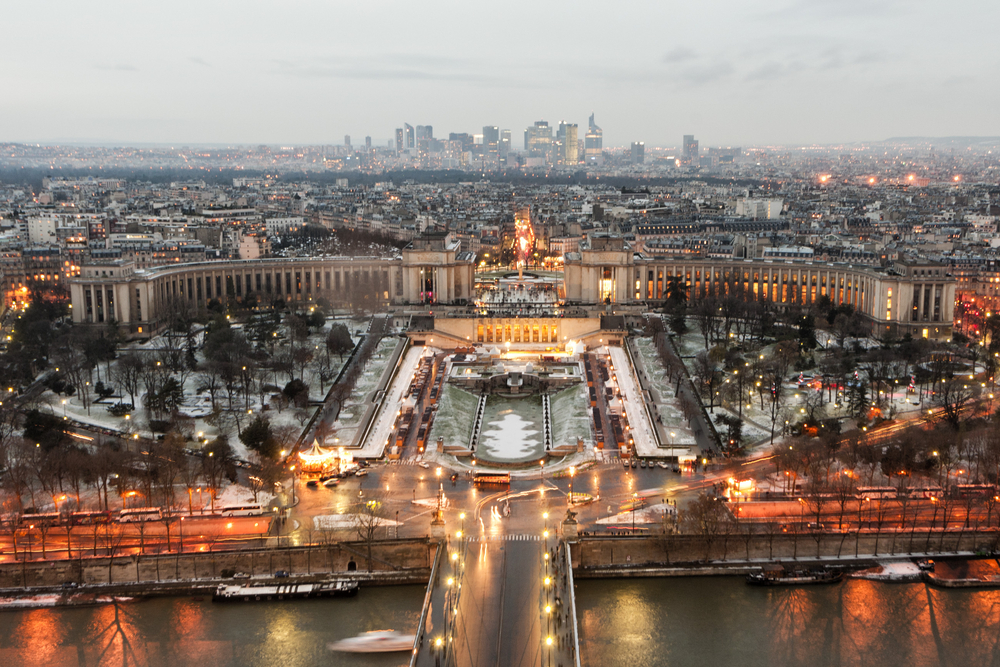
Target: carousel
{"points": [[319, 460]]}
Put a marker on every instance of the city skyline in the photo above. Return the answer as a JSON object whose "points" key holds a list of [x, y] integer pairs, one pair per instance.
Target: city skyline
{"points": [[779, 73]]}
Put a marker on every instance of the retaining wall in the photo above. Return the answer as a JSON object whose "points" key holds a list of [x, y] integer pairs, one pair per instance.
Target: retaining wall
{"points": [[402, 557]]}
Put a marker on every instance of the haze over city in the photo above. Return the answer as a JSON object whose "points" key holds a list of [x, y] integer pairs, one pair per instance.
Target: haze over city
{"points": [[566, 333], [734, 73]]}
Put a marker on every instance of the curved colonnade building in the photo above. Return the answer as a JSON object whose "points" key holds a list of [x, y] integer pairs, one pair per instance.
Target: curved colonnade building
{"points": [[433, 276]]}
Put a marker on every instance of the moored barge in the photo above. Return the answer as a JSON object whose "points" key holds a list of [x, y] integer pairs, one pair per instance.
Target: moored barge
{"points": [[263, 593]]}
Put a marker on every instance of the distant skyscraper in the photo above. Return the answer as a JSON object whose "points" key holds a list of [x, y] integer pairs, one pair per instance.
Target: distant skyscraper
{"points": [[464, 137], [491, 141], [425, 137], [399, 139], [538, 139], [504, 145], [638, 152], [594, 143], [347, 140], [408, 134], [425, 132], [368, 144], [569, 143], [689, 151]]}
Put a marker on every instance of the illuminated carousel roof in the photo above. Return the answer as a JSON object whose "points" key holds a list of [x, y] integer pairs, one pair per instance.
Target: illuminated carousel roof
{"points": [[315, 455]]}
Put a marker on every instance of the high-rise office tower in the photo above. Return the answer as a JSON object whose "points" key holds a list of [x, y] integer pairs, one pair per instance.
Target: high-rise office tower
{"points": [[425, 137], [408, 134], [689, 151], [504, 145], [399, 139], [570, 144], [594, 143], [638, 152], [538, 139], [368, 144], [347, 140], [464, 137], [491, 141]]}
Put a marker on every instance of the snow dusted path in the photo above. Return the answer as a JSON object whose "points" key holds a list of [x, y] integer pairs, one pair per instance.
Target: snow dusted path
{"points": [[374, 446], [640, 428]]}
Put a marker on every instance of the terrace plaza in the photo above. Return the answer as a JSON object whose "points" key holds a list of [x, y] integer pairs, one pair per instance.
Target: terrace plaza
{"points": [[434, 278]]}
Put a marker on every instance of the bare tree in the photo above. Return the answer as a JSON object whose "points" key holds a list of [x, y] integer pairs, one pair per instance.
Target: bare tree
{"points": [[952, 397], [704, 517], [369, 515], [127, 374]]}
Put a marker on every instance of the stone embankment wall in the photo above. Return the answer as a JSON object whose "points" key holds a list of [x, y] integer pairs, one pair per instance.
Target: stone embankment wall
{"points": [[393, 561], [596, 556]]}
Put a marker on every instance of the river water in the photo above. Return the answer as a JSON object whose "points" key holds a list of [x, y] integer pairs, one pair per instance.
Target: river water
{"points": [[178, 632], [722, 621], [632, 622]]}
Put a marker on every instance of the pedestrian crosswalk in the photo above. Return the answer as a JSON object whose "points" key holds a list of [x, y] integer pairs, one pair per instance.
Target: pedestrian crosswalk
{"points": [[506, 538]]}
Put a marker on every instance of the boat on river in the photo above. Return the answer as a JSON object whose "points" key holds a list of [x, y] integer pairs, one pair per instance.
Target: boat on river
{"points": [[777, 575], [263, 593], [377, 641]]}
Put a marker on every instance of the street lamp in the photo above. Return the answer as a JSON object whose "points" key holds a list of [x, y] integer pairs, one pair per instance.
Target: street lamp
{"points": [[635, 499], [572, 473]]}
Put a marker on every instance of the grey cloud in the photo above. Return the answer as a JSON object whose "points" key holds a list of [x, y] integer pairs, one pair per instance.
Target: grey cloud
{"points": [[870, 57], [396, 67], [679, 55], [117, 68], [702, 74], [199, 61], [769, 70]]}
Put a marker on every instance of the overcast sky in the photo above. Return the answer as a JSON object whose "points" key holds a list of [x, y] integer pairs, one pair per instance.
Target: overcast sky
{"points": [[731, 72]]}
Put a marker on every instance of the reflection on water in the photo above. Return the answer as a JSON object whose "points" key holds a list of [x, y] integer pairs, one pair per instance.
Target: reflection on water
{"points": [[716, 621], [177, 632]]}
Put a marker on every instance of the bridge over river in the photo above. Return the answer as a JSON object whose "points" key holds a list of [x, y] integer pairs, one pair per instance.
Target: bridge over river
{"points": [[503, 600]]}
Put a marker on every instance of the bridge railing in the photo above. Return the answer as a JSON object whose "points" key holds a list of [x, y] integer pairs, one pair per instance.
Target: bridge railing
{"points": [[575, 645], [418, 638]]}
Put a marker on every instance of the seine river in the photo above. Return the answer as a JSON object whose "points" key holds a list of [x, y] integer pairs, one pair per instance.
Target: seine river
{"points": [[722, 621], [177, 632], [645, 622]]}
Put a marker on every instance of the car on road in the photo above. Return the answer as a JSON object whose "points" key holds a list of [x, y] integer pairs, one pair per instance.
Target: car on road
{"points": [[333, 481], [926, 565], [241, 575], [663, 465], [281, 574], [424, 464], [642, 463], [312, 484], [361, 472], [625, 463], [633, 463]]}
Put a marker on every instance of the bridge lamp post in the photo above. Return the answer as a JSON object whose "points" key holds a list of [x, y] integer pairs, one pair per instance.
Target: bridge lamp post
{"points": [[572, 473], [635, 499]]}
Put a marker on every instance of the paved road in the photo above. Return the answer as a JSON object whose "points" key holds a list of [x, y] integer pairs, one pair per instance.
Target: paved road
{"points": [[499, 619]]}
